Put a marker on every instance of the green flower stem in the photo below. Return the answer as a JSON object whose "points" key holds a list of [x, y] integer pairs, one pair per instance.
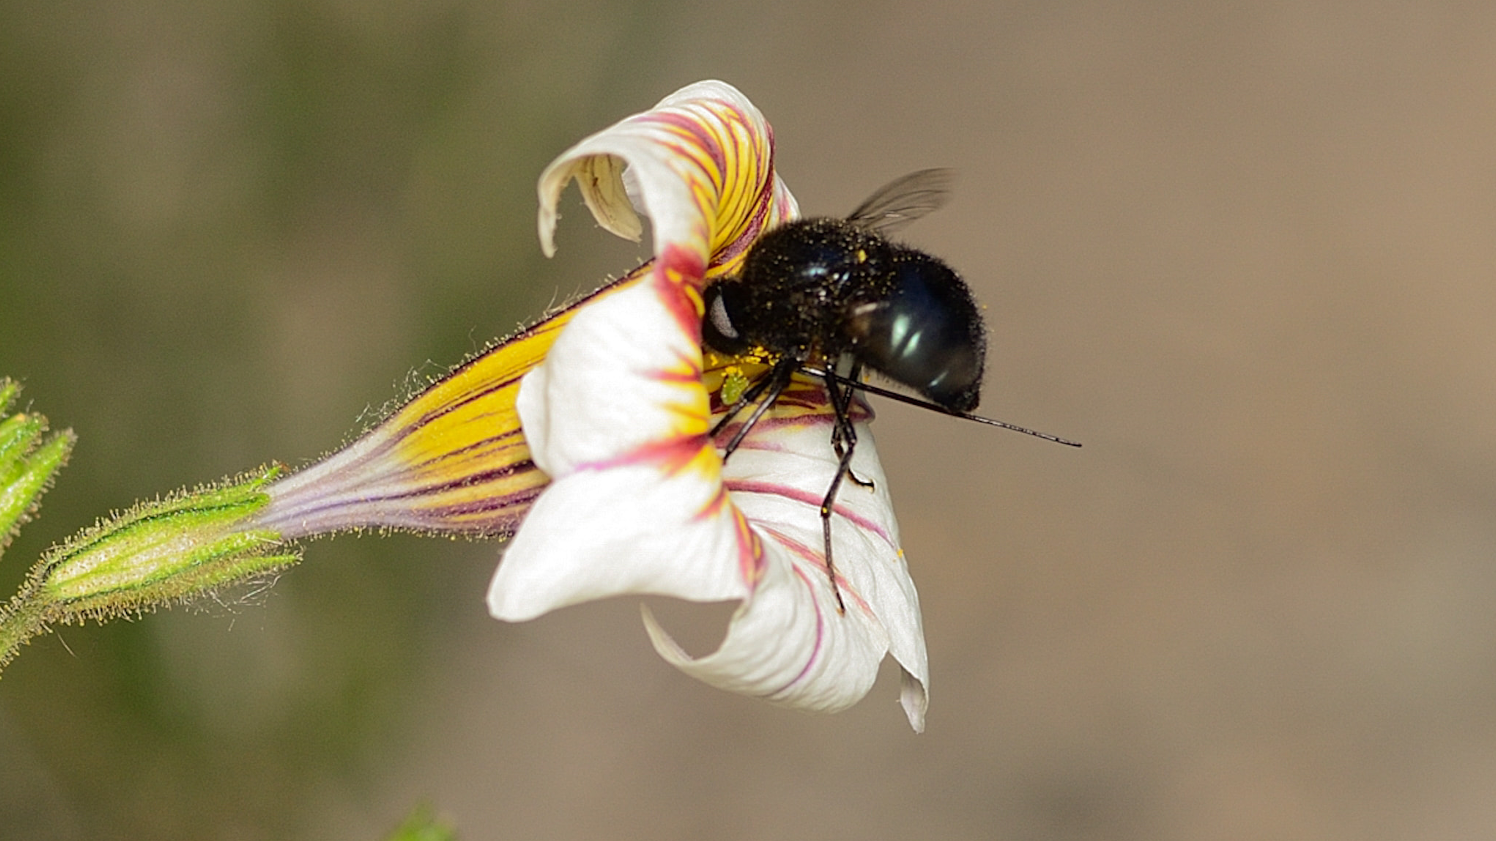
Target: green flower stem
{"points": [[152, 555]]}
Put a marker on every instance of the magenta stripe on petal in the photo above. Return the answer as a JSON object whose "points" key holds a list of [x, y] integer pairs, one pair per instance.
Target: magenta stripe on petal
{"points": [[813, 557], [788, 492], [815, 651]]}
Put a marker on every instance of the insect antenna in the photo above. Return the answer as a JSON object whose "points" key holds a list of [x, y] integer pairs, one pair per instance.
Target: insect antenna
{"points": [[934, 407], [843, 433]]}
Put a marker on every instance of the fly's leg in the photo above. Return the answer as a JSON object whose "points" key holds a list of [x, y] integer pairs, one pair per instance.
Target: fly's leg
{"points": [[743, 400], [844, 468], [843, 434], [771, 387], [844, 440]]}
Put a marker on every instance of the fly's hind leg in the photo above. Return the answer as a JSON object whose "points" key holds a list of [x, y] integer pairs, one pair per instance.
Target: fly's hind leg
{"points": [[844, 468], [843, 434], [844, 441]]}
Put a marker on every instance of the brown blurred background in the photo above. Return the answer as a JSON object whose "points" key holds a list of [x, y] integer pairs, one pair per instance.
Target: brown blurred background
{"points": [[1245, 254]]}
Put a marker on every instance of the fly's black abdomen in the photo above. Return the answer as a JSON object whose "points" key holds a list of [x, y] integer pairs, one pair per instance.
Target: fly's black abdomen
{"points": [[924, 331]]}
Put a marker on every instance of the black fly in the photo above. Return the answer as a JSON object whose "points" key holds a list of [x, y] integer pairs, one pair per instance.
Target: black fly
{"points": [[816, 293]]}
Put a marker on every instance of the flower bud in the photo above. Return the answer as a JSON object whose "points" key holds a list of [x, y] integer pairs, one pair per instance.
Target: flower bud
{"points": [[151, 555], [27, 462]]}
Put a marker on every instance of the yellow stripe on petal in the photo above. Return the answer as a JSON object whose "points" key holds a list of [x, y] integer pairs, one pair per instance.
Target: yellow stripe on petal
{"points": [[451, 461]]}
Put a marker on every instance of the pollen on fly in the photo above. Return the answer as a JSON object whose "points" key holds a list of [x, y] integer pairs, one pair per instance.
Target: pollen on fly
{"points": [[832, 298]]}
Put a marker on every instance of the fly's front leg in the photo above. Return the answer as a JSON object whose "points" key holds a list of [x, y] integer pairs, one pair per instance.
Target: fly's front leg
{"points": [[774, 384]]}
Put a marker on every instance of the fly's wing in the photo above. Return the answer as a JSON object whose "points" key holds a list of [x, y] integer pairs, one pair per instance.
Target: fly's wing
{"points": [[904, 200]]}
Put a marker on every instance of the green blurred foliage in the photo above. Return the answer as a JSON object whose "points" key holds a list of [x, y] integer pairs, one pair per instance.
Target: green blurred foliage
{"points": [[230, 233], [423, 825]]}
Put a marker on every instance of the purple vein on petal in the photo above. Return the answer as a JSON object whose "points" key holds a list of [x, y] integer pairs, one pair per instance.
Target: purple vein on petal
{"points": [[815, 559], [808, 498], [815, 651]]}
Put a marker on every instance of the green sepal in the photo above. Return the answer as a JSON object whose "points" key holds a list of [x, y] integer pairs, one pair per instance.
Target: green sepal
{"points": [[157, 553], [162, 551]]}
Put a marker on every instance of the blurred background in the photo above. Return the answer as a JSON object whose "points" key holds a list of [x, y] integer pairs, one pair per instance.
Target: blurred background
{"points": [[1244, 252]]}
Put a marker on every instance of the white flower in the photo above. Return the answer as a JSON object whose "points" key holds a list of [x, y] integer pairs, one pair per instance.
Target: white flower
{"points": [[618, 416]]}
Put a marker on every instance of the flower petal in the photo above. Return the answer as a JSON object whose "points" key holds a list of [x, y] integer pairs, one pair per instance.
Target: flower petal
{"points": [[787, 644], [625, 375], [806, 655], [638, 504], [596, 534], [618, 415]]}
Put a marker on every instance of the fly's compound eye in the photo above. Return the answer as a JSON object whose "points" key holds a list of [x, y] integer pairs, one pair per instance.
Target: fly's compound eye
{"points": [[717, 313], [717, 330]]}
